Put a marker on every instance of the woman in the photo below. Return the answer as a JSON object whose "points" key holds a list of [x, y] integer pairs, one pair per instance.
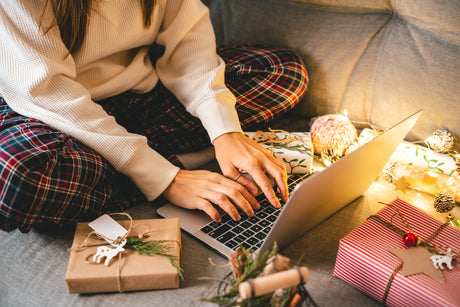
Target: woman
{"points": [[83, 108]]}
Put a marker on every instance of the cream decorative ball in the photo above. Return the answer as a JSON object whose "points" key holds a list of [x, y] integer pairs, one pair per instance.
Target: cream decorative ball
{"points": [[331, 135], [441, 141]]}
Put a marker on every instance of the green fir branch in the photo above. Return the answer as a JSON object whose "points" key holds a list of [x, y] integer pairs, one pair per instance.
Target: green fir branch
{"points": [[152, 248]]}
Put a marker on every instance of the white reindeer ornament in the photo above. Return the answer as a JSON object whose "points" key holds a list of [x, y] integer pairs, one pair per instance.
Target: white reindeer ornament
{"points": [[108, 253], [440, 260]]}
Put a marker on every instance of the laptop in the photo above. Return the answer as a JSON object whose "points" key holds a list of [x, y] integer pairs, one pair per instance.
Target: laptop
{"points": [[312, 200]]}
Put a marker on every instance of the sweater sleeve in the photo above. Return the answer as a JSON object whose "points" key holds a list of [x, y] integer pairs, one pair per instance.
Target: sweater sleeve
{"points": [[191, 69], [37, 79]]}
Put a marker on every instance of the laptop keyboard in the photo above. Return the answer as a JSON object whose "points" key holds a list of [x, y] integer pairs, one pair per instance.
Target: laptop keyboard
{"points": [[249, 232]]}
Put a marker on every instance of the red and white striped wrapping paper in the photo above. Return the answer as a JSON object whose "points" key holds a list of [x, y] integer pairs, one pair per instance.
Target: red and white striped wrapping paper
{"points": [[363, 260]]}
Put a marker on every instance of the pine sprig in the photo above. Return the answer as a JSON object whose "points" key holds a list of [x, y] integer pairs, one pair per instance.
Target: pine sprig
{"points": [[152, 248], [230, 285]]}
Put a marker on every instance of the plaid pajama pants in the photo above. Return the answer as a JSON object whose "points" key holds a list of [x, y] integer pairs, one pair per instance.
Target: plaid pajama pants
{"points": [[47, 176]]}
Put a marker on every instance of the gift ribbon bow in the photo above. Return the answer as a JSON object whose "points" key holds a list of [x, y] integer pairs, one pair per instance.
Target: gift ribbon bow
{"points": [[424, 243]]}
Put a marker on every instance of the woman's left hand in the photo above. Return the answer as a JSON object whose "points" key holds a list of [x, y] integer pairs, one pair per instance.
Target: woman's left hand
{"points": [[237, 153]]}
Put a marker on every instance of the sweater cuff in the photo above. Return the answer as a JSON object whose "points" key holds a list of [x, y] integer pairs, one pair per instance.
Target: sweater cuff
{"points": [[219, 116], [150, 171]]}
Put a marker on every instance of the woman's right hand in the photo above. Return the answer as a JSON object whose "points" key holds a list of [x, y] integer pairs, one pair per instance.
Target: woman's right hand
{"points": [[204, 190]]}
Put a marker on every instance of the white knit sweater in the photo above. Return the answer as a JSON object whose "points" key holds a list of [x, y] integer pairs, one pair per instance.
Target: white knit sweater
{"points": [[39, 80]]}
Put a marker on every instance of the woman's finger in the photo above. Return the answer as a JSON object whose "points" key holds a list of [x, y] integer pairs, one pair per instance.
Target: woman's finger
{"points": [[280, 177], [265, 185], [231, 192]]}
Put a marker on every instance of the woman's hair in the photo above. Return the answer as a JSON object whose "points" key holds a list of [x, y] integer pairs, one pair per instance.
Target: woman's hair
{"points": [[72, 18]]}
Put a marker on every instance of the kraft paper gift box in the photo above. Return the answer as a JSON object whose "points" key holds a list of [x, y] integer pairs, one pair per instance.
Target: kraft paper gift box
{"points": [[135, 271], [292, 148], [365, 262]]}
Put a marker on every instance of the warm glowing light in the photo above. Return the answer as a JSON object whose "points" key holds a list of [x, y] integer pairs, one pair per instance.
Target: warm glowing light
{"points": [[345, 112], [433, 174]]}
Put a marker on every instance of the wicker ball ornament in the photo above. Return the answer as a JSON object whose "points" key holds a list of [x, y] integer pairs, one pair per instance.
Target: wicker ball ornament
{"points": [[441, 141], [444, 202], [331, 135]]}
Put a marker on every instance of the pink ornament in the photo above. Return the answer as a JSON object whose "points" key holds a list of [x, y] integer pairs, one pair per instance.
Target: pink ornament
{"points": [[331, 135]]}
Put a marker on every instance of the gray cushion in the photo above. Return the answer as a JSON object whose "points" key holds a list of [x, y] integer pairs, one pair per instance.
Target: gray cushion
{"points": [[379, 60]]}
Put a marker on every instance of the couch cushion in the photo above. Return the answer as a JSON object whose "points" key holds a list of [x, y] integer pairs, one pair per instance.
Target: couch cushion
{"points": [[356, 4], [380, 60]]}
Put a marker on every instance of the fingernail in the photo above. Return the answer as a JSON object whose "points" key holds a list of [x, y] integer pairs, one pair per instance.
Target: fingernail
{"points": [[238, 217]]}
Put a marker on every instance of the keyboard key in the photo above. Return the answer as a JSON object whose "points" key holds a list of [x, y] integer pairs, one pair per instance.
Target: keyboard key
{"points": [[261, 197], [232, 244], [219, 231], [245, 224], [264, 203], [264, 223], [252, 241], [239, 239], [232, 223], [262, 215], [245, 245], [206, 229], [254, 220], [226, 218], [226, 237], [214, 224], [247, 233], [266, 230], [237, 229], [256, 228], [260, 235], [271, 218]]}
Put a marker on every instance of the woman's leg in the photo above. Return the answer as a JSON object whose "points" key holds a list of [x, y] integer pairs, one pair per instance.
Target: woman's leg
{"points": [[48, 177], [267, 83]]}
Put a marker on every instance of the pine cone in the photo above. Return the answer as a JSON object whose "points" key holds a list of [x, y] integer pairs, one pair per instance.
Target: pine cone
{"points": [[444, 202]]}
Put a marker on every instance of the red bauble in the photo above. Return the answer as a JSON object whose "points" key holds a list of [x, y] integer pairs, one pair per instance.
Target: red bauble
{"points": [[410, 239]]}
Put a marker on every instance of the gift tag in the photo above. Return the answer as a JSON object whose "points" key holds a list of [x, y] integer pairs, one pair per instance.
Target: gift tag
{"points": [[108, 227]]}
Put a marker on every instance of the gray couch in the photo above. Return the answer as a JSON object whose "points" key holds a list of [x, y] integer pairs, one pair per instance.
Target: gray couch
{"points": [[380, 60]]}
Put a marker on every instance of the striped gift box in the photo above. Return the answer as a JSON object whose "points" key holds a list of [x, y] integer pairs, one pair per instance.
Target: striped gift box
{"points": [[363, 259]]}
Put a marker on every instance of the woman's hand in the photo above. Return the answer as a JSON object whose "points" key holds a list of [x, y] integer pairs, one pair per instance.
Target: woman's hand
{"points": [[204, 189], [237, 153]]}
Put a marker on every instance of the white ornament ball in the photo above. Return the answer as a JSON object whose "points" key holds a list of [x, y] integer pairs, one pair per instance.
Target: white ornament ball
{"points": [[331, 135]]}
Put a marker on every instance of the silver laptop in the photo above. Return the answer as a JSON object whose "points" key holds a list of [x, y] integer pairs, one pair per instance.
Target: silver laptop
{"points": [[313, 199]]}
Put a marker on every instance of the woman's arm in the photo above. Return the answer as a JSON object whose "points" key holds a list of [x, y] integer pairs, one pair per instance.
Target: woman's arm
{"points": [[193, 71], [37, 79]]}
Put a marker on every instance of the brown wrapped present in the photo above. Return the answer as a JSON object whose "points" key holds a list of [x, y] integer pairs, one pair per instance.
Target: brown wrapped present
{"points": [[129, 270]]}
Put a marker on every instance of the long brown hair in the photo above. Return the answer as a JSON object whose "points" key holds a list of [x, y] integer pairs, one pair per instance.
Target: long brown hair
{"points": [[72, 19]]}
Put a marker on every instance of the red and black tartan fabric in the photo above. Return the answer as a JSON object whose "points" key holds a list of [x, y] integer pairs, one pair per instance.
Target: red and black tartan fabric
{"points": [[47, 176]]}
